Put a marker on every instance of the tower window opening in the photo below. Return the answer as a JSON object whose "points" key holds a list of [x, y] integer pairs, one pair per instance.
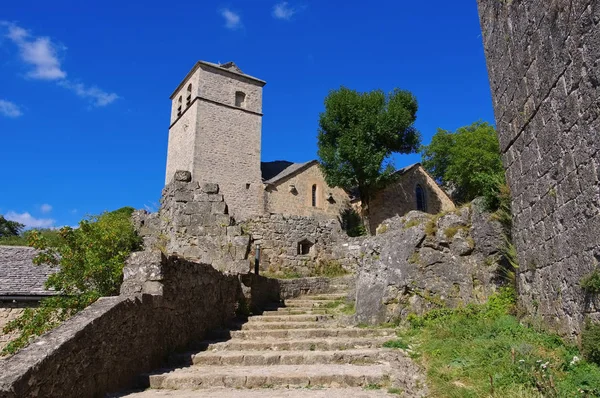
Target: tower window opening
{"points": [[314, 195], [421, 204], [240, 99], [189, 95], [179, 106]]}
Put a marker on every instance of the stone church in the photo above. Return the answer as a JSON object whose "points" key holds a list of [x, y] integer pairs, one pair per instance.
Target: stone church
{"points": [[215, 132]]}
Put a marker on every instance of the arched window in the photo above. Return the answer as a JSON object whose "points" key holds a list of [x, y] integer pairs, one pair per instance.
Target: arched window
{"points": [[189, 95], [179, 106], [240, 99], [314, 195], [421, 203]]}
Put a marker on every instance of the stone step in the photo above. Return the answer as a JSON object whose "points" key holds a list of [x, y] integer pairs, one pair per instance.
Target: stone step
{"points": [[309, 333], [259, 376], [284, 325], [294, 311], [258, 358], [323, 296], [320, 344], [294, 303], [354, 392], [290, 318]]}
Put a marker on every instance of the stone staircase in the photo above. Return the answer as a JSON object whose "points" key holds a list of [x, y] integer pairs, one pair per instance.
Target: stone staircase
{"points": [[301, 349]]}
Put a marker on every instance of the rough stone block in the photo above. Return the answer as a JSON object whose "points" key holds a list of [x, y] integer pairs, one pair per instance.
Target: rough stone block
{"points": [[222, 220], [210, 188], [234, 230], [219, 208], [197, 208], [215, 198], [183, 176]]}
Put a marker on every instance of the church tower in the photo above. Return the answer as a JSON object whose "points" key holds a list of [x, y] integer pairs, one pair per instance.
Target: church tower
{"points": [[215, 132]]}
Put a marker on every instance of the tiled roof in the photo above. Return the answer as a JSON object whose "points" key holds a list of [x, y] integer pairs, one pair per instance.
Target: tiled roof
{"points": [[272, 172], [19, 276]]}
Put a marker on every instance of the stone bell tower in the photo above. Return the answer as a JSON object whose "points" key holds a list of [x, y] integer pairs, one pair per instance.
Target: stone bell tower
{"points": [[215, 132]]}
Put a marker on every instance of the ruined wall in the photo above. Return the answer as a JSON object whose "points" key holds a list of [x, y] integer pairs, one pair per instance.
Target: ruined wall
{"points": [[279, 238], [165, 305], [419, 262], [193, 222], [542, 58], [299, 201], [399, 197]]}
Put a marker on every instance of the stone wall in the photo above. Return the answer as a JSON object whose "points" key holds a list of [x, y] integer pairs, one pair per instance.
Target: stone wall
{"points": [[419, 262], [10, 310], [542, 59], [280, 237], [193, 222], [298, 202], [399, 197], [165, 305]]}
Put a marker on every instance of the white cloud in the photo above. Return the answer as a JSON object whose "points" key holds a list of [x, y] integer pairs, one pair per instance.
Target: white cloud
{"points": [[232, 20], [9, 109], [38, 52], [97, 96], [41, 54], [283, 11], [45, 208], [29, 221]]}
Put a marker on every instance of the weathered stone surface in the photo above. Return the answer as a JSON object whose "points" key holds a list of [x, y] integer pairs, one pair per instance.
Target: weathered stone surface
{"points": [[421, 261], [542, 60]]}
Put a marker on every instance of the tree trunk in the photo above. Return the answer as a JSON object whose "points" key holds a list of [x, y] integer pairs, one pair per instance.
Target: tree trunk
{"points": [[364, 210]]}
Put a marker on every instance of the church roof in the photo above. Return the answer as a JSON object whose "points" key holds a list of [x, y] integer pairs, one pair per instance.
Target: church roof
{"points": [[273, 172], [19, 276]]}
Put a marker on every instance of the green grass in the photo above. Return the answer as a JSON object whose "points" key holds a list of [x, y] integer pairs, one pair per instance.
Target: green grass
{"points": [[372, 387], [483, 351], [396, 344]]}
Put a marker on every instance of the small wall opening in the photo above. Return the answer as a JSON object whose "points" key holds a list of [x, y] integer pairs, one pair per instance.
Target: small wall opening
{"points": [[179, 105], [304, 247], [240, 99], [189, 95], [314, 196], [421, 203]]}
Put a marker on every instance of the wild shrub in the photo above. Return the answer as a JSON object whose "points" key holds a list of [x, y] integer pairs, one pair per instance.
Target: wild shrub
{"points": [[89, 261]]}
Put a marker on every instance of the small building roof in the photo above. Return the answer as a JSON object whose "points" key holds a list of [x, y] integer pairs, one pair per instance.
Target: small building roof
{"points": [[19, 276], [273, 172]]}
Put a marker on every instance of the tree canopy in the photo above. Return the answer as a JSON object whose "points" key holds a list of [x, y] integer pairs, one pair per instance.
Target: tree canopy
{"points": [[357, 134], [467, 161], [9, 228]]}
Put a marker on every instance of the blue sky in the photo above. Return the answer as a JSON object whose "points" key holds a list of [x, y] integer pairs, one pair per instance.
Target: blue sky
{"points": [[84, 86]]}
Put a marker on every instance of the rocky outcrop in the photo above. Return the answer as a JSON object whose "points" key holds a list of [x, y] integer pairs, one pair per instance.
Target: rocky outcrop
{"points": [[418, 262]]}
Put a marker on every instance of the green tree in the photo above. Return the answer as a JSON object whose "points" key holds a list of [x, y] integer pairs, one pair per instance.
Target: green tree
{"points": [[467, 161], [9, 228], [358, 132], [90, 262]]}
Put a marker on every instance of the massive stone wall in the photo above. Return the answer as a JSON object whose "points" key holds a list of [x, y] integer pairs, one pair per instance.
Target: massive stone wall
{"points": [[165, 305], [281, 199], [542, 59]]}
